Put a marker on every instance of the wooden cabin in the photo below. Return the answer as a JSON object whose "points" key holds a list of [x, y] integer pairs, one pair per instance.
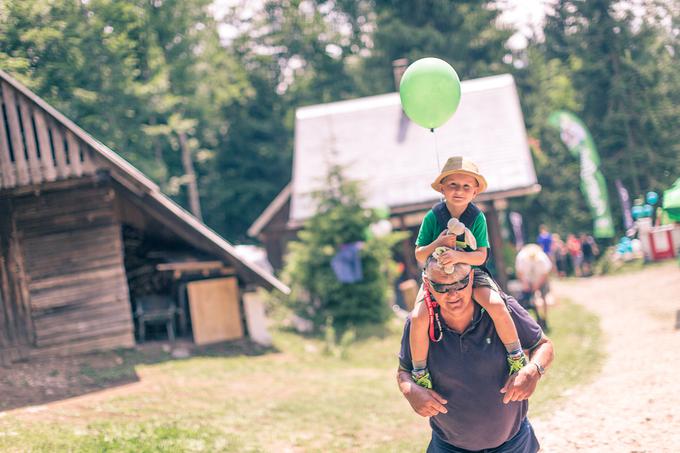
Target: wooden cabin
{"points": [[84, 235], [395, 161]]}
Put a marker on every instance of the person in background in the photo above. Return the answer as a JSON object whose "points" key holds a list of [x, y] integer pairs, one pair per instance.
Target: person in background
{"points": [[558, 254], [544, 239], [575, 253], [533, 267], [590, 252]]}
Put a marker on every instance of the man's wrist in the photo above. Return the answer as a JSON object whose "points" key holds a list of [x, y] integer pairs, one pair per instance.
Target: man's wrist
{"points": [[405, 382], [539, 368]]}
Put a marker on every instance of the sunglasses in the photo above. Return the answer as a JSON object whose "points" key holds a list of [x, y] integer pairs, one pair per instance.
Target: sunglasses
{"points": [[442, 288]]}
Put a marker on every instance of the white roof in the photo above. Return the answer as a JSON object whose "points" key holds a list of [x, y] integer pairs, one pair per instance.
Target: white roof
{"points": [[395, 158]]}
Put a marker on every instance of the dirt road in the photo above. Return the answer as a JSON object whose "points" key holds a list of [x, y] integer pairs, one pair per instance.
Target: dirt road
{"points": [[633, 405]]}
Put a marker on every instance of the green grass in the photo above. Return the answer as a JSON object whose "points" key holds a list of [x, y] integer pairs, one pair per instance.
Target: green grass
{"points": [[295, 397]]}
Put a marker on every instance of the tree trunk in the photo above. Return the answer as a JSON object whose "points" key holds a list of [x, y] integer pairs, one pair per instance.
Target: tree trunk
{"points": [[192, 184]]}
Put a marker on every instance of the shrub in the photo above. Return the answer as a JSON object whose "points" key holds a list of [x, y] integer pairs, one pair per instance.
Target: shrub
{"points": [[340, 219]]}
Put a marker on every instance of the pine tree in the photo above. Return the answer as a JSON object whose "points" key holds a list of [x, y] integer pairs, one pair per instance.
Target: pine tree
{"points": [[466, 34], [617, 72], [627, 83], [340, 219]]}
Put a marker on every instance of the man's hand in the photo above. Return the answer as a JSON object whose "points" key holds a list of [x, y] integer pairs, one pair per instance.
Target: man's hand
{"points": [[424, 402], [521, 385]]}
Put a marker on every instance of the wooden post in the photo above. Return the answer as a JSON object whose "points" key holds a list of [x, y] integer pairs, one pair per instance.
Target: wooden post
{"points": [[7, 177], [74, 154], [496, 244], [31, 146], [15, 134], [59, 153], [48, 170]]}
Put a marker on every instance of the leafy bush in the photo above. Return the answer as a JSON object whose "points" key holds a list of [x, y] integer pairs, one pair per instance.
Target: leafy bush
{"points": [[340, 219]]}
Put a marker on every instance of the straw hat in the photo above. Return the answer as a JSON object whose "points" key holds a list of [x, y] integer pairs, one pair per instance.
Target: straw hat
{"points": [[458, 164]]}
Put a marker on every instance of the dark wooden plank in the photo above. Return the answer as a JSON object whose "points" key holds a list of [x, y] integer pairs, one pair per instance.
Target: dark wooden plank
{"points": [[50, 207], [87, 251], [81, 279], [15, 133], [50, 186], [40, 273], [66, 323], [71, 249], [64, 202], [48, 171], [76, 235], [81, 288], [31, 146], [84, 331], [83, 302], [74, 296], [7, 175], [75, 337], [117, 296], [63, 170], [74, 154], [124, 339], [66, 223], [90, 321]]}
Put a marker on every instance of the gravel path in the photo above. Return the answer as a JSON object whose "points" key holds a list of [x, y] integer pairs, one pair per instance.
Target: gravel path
{"points": [[633, 405]]}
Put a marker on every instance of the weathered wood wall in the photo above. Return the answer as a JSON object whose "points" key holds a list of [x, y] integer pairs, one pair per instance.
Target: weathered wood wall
{"points": [[15, 315], [73, 259]]}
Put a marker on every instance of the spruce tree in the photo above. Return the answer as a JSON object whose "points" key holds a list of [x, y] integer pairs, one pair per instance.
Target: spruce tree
{"points": [[340, 219]]}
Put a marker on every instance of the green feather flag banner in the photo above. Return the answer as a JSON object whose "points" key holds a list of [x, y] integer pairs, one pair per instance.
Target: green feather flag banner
{"points": [[578, 140], [671, 201]]}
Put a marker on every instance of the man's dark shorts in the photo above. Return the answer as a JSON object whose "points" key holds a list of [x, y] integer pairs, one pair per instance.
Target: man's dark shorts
{"points": [[523, 442]]}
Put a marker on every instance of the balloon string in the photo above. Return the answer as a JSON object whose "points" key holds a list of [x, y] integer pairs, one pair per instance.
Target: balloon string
{"points": [[436, 150]]}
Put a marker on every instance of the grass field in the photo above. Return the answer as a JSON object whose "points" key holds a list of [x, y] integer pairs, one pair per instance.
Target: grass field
{"points": [[293, 398]]}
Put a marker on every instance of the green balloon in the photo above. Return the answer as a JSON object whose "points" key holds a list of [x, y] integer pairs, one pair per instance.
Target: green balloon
{"points": [[430, 92]]}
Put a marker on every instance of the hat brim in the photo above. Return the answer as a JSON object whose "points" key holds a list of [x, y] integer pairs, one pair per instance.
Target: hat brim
{"points": [[436, 185]]}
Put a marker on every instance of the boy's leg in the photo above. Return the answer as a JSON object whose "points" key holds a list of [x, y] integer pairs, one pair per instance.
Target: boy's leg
{"points": [[487, 296], [494, 304], [420, 342]]}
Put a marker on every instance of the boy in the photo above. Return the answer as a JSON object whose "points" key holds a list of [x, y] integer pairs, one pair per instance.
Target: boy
{"points": [[459, 182]]}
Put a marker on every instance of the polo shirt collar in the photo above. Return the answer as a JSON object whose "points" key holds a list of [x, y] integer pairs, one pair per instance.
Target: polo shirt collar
{"points": [[477, 314]]}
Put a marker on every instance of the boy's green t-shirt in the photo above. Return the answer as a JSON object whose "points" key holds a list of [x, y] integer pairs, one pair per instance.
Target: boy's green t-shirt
{"points": [[430, 230]]}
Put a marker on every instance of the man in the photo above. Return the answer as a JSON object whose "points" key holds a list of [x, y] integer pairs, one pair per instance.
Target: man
{"points": [[544, 239], [476, 406], [590, 251], [533, 267]]}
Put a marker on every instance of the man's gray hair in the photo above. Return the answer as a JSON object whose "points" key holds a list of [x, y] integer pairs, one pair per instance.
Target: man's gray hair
{"points": [[460, 270]]}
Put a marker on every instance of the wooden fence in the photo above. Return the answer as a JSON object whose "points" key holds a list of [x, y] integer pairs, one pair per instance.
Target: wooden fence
{"points": [[34, 146]]}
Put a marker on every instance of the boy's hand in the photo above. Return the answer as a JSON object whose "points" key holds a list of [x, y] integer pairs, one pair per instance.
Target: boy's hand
{"points": [[449, 257], [446, 240]]}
